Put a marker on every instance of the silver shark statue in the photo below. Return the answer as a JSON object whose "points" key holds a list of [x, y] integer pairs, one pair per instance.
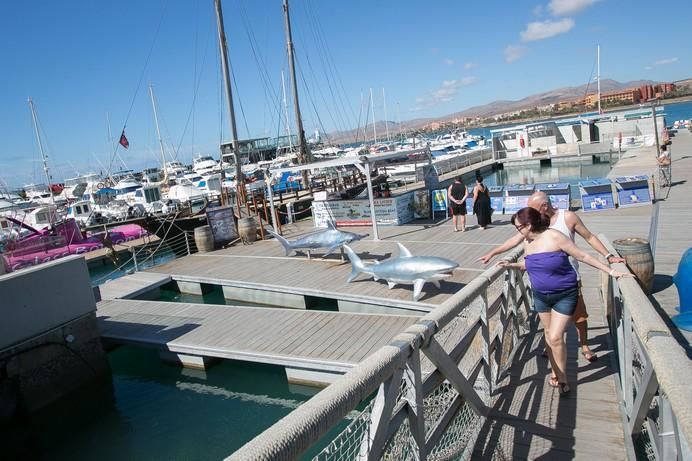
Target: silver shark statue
{"points": [[405, 269], [330, 238]]}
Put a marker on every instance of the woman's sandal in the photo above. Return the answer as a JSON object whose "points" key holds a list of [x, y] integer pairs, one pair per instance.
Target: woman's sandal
{"points": [[563, 389], [589, 356]]}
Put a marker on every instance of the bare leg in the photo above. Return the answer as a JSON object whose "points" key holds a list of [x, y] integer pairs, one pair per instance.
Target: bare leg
{"points": [[463, 222], [545, 323], [454, 222], [556, 341], [580, 315]]}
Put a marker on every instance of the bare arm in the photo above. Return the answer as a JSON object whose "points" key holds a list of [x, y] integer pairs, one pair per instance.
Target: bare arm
{"points": [[508, 245], [466, 194], [571, 249], [449, 194], [592, 239]]}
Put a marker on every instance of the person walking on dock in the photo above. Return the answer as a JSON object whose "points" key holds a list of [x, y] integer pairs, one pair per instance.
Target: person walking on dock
{"points": [[481, 203], [458, 194], [569, 223], [554, 282]]}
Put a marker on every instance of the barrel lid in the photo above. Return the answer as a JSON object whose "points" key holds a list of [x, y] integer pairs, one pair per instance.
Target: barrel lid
{"points": [[630, 242]]}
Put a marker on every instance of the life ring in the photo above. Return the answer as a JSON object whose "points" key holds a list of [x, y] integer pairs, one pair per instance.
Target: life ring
{"points": [[522, 144]]}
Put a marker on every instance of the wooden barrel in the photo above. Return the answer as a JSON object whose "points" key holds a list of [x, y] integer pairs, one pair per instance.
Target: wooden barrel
{"points": [[204, 239], [247, 229], [639, 260]]}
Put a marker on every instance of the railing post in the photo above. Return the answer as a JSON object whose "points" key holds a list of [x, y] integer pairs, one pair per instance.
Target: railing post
{"points": [[134, 258], [485, 332], [414, 398]]}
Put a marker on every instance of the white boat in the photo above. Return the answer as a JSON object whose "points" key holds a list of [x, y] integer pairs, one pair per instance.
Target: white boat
{"points": [[205, 164]]}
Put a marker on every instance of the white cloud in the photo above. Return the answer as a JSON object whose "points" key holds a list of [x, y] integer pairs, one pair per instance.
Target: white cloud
{"points": [[663, 62], [514, 53], [540, 30], [648, 67], [445, 93], [448, 61], [470, 65], [565, 7]]}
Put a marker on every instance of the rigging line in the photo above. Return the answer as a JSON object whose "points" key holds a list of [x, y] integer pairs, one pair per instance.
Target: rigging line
{"points": [[338, 122], [333, 66], [319, 91], [198, 81], [269, 93], [325, 55], [312, 101], [141, 77], [240, 103], [588, 84]]}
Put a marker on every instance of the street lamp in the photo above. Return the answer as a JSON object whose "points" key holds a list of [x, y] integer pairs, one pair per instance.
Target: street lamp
{"points": [[654, 102]]}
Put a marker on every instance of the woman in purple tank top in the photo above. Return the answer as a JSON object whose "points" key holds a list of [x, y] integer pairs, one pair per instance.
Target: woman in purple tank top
{"points": [[553, 283]]}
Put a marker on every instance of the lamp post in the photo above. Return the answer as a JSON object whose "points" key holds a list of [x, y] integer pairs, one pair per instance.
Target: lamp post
{"points": [[654, 102]]}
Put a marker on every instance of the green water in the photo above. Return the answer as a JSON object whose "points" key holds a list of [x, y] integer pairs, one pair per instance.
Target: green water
{"points": [[162, 412]]}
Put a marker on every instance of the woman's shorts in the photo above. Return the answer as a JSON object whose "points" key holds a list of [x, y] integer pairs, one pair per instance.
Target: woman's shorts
{"points": [[563, 302], [458, 209]]}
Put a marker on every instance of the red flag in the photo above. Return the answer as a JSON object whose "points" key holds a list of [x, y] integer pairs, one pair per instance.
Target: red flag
{"points": [[123, 140]]}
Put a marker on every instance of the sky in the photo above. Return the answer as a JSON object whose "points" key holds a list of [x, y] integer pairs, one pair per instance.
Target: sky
{"points": [[88, 66]]}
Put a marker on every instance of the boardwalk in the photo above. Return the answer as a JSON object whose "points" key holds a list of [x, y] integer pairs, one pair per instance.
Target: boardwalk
{"points": [[323, 341]]}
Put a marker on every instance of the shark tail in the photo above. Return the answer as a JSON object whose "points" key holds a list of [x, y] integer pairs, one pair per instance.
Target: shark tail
{"points": [[286, 244], [357, 265]]}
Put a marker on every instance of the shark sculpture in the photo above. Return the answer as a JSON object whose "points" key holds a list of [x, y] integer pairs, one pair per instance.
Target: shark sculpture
{"points": [[405, 269], [330, 238]]}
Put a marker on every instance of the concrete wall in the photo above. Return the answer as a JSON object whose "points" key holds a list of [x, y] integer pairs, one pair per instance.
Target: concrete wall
{"points": [[50, 345], [42, 297]]}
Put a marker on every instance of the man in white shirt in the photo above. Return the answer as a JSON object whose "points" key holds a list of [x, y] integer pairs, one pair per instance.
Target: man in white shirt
{"points": [[568, 223]]}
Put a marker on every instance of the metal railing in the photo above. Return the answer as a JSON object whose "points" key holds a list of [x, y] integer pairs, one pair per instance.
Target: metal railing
{"points": [[654, 380], [434, 383]]}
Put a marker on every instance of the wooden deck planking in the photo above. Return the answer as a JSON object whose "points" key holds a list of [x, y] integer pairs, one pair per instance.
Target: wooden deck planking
{"points": [[132, 285], [132, 321]]}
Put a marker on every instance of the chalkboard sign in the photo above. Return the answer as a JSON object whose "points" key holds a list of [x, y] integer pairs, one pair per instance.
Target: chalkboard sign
{"points": [[222, 223]]}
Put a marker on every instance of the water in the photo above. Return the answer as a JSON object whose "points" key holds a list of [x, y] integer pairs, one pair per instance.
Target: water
{"points": [[162, 412], [108, 271]]}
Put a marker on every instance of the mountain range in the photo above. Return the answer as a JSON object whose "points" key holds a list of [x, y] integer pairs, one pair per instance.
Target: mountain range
{"points": [[499, 107]]}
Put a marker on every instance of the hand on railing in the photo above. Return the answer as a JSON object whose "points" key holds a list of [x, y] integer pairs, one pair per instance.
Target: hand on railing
{"points": [[617, 274]]}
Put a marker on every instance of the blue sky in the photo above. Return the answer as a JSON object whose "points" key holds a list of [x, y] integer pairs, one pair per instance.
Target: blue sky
{"points": [[81, 60]]}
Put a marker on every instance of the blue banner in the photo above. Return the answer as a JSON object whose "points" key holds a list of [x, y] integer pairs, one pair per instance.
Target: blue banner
{"points": [[439, 200]]}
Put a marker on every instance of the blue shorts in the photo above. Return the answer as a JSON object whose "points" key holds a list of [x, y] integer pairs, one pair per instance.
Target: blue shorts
{"points": [[564, 302]]}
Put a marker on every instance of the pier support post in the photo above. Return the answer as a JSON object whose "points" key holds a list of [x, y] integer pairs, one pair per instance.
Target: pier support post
{"points": [[195, 362]]}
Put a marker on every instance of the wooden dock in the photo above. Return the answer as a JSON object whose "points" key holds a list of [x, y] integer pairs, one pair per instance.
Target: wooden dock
{"points": [[317, 340]]}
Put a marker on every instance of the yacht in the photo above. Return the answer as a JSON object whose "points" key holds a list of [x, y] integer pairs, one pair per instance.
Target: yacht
{"points": [[205, 164]]}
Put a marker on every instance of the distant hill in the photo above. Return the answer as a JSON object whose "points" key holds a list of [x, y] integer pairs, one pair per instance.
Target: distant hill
{"points": [[499, 107], [542, 99]]}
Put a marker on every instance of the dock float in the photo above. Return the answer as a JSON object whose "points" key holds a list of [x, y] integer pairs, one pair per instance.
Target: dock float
{"points": [[315, 347]]}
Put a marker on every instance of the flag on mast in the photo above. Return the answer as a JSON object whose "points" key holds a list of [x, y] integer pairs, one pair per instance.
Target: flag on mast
{"points": [[123, 140]]}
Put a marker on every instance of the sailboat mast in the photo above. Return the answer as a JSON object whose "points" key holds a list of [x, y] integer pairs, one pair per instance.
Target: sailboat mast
{"points": [[288, 121], [374, 125], [386, 125], [158, 131], [598, 75], [302, 154], [240, 182], [40, 148]]}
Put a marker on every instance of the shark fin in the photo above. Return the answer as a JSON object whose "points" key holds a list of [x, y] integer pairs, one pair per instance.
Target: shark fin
{"points": [[286, 244], [391, 285], [417, 288], [331, 225], [331, 250], [403, 251], [357, 265], [436, 283]]}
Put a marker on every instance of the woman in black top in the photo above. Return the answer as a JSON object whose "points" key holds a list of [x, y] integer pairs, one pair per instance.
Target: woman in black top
{"points": [[481, 203], [458, 194]]}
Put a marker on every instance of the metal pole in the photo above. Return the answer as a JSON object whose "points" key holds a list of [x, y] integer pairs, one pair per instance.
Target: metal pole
{"points": [[40, 148], [653, 110], [239, 180], [375, 234], [268, 182]]}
